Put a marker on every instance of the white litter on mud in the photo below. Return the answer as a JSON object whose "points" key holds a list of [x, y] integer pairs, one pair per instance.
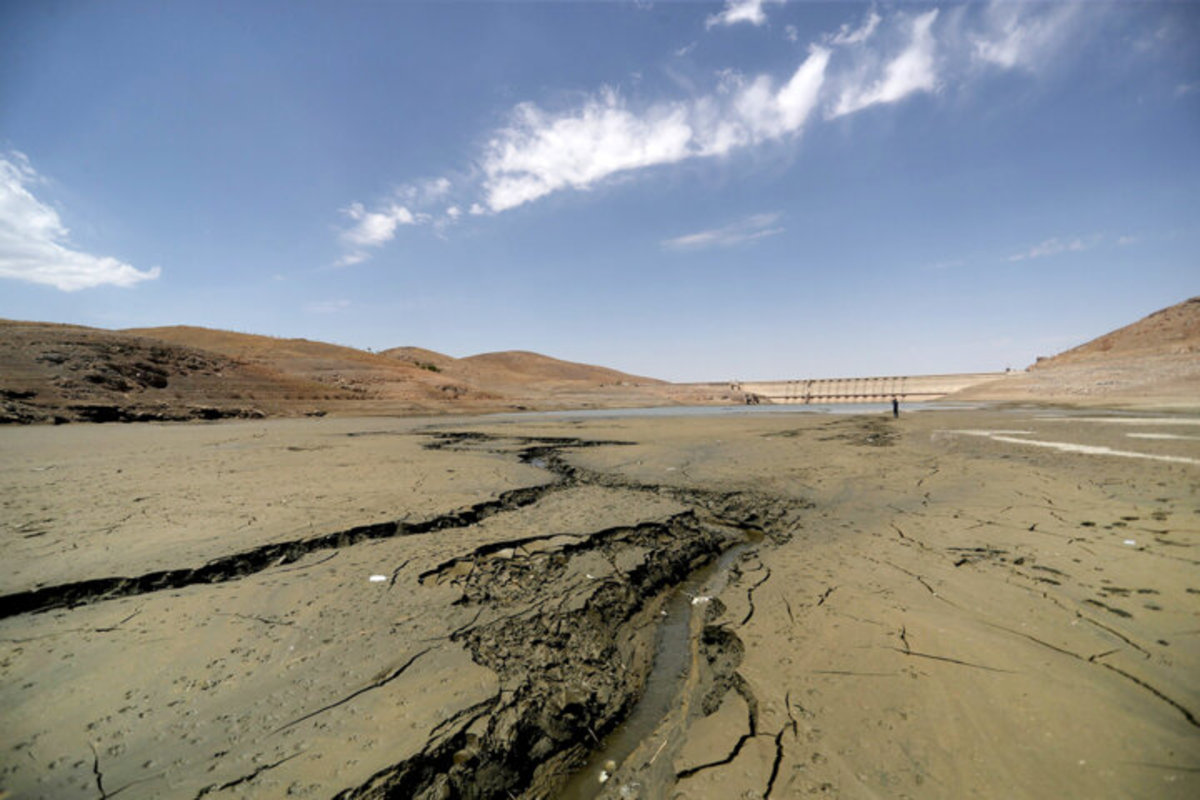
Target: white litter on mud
{"points": [[1070, 447], [1163, 436], [377, 578], [1127, 420]]}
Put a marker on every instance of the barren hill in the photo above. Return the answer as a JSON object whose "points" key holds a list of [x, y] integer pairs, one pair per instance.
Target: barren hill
{"points": [[376, 382], [1173, 331], [419, 356], [521, 366], [63, 373], [1154, 361], [51, 372]]}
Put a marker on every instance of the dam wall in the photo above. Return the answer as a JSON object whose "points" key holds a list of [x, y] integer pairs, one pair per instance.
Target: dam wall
{"points": [[905, 388]]}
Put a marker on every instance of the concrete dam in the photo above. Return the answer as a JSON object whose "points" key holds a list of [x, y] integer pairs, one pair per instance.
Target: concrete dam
{"points": [[905, 388]]}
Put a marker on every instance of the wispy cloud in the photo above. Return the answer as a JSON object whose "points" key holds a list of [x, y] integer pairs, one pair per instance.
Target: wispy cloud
{"points": [[35, 245], [1021, 35], [910, 71], [847, 36], [881, 58], [371, 229], [750, 229], [738, 11], [1053, 247], [541, 152]]}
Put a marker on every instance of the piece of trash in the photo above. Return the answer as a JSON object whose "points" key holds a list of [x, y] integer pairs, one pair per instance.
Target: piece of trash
{"points": [[589, 576], [1131, 542], [698, 599], [604, 776], [377, 578]]}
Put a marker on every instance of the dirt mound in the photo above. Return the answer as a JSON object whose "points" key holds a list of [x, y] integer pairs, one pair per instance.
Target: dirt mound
{"points": [[68, 373], [420, 357], [1153, 362]]}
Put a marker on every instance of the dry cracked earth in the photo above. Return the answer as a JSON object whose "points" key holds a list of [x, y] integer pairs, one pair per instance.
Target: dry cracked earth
{"points": [[734, 606]]}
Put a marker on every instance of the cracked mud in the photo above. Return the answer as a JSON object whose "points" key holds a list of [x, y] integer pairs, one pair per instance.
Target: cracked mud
{"points": [[353, 608]]}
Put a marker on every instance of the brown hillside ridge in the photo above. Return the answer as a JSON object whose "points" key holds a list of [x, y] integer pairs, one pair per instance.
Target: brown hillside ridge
{"points": [[419, 356], [1173, 331], [1153, 362], [521, 366], [64, 373], [516, 367], [370, 382]]}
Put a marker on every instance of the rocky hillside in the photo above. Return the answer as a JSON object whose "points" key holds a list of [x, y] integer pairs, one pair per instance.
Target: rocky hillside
{"points": [[64, 373], [1171, 332], [1152, 362]]}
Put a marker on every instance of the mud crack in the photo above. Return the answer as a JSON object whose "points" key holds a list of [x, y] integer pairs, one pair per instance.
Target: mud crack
{"points": [[249, 562], [383, 681]]}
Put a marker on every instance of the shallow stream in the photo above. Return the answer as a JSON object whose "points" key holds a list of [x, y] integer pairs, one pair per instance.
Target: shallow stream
{"points": [[672, 663]]}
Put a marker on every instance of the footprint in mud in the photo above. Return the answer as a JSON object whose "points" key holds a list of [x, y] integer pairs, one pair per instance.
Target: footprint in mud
{"points": [[1111, 609], [723, 652]]}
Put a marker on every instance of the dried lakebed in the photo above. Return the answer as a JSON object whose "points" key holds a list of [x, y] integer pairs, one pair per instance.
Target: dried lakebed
{"points": [[854, 606]]}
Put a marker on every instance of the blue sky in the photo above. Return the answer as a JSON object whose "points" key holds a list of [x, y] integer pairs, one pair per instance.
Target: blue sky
{"points": [[685, 190]]}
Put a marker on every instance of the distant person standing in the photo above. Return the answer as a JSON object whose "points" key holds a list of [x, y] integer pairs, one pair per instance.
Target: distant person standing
{"points": [[895, 408]]}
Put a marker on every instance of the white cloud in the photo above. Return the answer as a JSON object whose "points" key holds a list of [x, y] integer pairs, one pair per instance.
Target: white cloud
{"points": [[35, 245], [1052, 247], [881, 57], [752, 228], [911, 71], [683, 51], [1022, 34], [373, 228], [540, 153], [846, 36], [352, 258], [736, 11], [791, 33], [1124, 241], [436, 188], [453, 212]]}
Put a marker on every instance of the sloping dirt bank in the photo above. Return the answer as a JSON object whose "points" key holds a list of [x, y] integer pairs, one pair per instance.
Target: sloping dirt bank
{"points": [[937, 606]]}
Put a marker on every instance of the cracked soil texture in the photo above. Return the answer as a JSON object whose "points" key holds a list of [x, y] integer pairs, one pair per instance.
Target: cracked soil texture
{"points": [[467, 608]]}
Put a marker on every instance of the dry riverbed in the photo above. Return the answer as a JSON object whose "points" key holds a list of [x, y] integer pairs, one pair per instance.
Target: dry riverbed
{"points": [[951, 604]]}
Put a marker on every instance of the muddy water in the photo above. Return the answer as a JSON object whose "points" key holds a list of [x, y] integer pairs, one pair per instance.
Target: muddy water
{"points": [[672, 662]]}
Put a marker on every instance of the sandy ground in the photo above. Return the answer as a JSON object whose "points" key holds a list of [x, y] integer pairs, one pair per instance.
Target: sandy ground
{"points": [[953, 604]]}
